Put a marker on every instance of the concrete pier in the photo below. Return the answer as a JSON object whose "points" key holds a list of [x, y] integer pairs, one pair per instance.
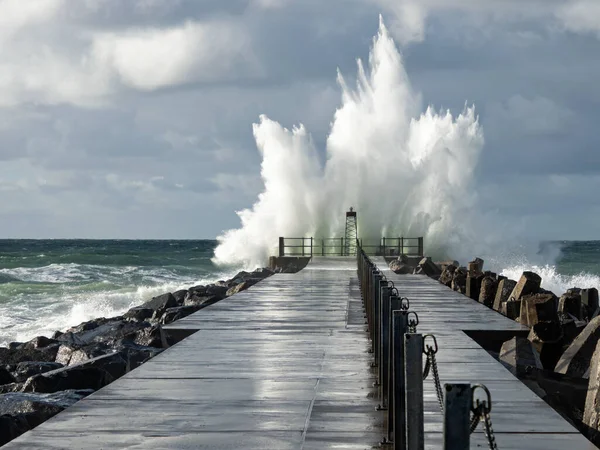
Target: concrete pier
{"points": [[521, 420], [286, 365], [283, 365]]}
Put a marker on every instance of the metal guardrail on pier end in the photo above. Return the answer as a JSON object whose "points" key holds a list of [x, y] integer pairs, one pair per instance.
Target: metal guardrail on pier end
{"points": [[309, 246]]}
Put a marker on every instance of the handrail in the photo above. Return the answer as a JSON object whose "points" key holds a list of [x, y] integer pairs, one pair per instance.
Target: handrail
{"points": [[310, 246], [398, 352]]}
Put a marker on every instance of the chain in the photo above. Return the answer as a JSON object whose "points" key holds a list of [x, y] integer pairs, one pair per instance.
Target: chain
{"points": [[475, 420], [431, 366], [489, 431], [482, 410]]}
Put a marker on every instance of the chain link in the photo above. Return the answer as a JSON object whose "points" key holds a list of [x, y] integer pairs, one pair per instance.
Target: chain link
{"points": [[475, 419], [489, 431]]}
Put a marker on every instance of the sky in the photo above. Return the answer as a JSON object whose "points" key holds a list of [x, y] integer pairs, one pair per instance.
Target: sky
{"points": [[133, 118]]}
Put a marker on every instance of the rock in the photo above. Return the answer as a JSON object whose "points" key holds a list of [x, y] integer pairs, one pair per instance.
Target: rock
{"points": [[538, 308], [570, 303], [139, 313], [475, 267], [91, 374], [28, 369], [591, 414], [217, 291], [487, 293], [589, 301], [262, 273], [241, 287], [87, 326], [148, 337], [161, 303], [512, 309], [180, 296], [529, 283], [547, 338], [179, 312], [473, 285], [505, 287], [459, 281], [69, 355], [447, 275], [518, 353], [14, 345], [6, 377], [57, 334], [108, 332], [429, 268], [445, 264], [399, 267], [15, 356], [40, 342], [12, 427], [135, 354], [11, 387], [576, 360], [193, 299], [20, 412]]}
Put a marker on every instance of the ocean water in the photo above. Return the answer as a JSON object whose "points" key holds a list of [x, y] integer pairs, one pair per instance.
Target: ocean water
{"points": [[49, 285]]}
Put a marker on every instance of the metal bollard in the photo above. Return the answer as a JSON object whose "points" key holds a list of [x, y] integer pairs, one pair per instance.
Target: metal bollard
{"points": [[377, 316], [396, 383], [413, 372], [384, 337], [457, 416]]}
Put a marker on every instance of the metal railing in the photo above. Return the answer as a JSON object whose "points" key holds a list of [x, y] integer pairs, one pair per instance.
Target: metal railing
{"points": [[398, 352], [309, 246]]}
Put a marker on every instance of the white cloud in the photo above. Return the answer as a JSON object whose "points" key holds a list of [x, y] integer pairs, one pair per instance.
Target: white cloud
{"points": [[580, 16], [148, 59]]}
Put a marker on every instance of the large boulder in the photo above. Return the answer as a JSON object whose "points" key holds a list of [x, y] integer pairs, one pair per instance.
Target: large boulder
{"points": [[591, 414], [538, 308], [459, 281], [136, 354], [161, 303], [24, 370], [6, 377], [529, 283], [448, 275], [25, 353], [511, 309], [242, 286], [428, 267], [476, 266], [576, 360], [180, 296], [148, 337], [474, 285], [139, 313], [570, 304], [589, 302], [487, 293], [547, 338], [20, 412], [92, 374], [519, 353], [194, 299], [179, 312], [505, 287], [69, 355], [399, 267], [40, 342]]}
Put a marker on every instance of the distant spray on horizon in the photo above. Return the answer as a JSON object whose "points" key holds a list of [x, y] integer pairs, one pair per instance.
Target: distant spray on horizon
{"points": [[407, 172]]}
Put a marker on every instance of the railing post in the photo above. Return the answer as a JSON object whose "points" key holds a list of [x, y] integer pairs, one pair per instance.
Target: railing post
{"points": [[322, 247], [400, 245], [457, 415], [413, 372], [303, 246], [421, 250], [396, 385], [281, 247], [311, 247], [341, 246], [377, 317], [384, 348], [384, 247]]}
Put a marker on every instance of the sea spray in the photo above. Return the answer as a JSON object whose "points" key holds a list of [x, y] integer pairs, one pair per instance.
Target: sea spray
{"points": [[407, 173]]}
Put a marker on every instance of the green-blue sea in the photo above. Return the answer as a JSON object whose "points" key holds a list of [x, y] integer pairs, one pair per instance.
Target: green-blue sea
{"points": [[49, 285]]}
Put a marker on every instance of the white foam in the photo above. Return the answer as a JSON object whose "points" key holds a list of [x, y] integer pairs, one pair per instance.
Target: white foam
{"points": [[406, 172]]}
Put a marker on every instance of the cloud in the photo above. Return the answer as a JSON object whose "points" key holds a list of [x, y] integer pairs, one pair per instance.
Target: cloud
{"points": [[580, 16]]}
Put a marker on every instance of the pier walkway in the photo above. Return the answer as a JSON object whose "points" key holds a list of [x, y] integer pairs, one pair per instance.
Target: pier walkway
{"points": [[283, 365], [521, 420]]}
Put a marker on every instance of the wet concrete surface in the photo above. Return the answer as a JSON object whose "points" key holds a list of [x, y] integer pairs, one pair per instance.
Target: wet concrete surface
{"points": [[283, 365], [521, 420]]}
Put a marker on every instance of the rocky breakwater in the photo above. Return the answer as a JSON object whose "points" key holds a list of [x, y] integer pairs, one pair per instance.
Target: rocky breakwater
{"points": [[42, 377], [559, 359]]}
